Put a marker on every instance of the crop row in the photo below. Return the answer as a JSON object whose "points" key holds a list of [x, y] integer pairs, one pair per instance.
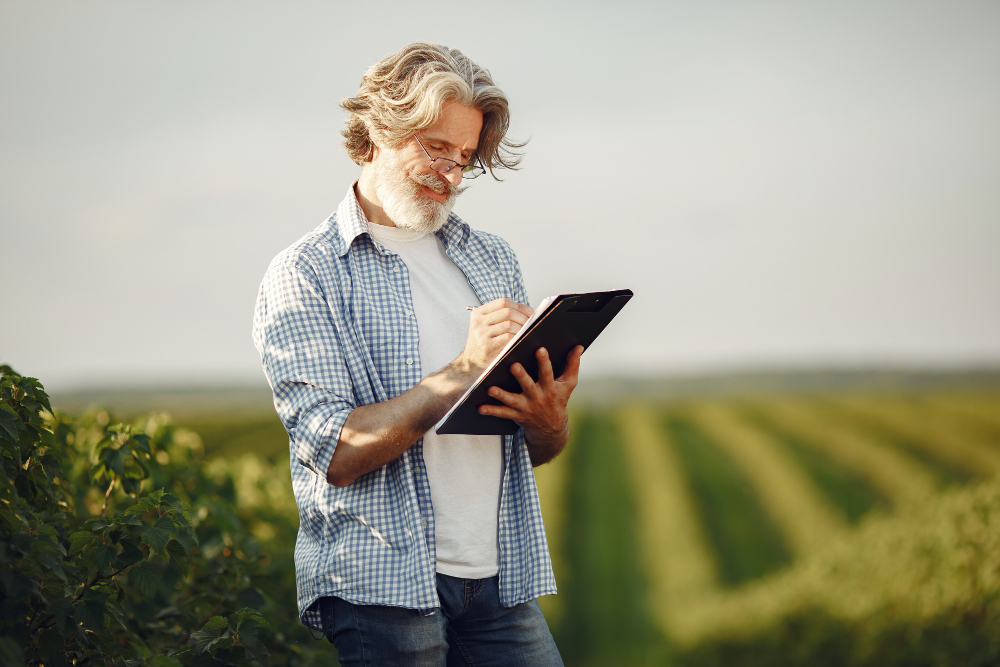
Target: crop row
{"points": [[699, 503]]}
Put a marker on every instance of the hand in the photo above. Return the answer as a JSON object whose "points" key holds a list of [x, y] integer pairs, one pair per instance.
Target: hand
{"points": [[541, 406], [491, 326]]}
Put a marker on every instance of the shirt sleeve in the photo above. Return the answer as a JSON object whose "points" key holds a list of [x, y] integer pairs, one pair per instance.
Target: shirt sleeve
{"points": [[296, 334]]}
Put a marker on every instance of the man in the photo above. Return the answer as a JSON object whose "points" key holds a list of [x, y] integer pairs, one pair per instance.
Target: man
{"points": [[413, 548]]}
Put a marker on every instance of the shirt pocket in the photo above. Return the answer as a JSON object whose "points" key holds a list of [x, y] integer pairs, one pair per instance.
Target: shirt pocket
{"points": [[380, 320]]}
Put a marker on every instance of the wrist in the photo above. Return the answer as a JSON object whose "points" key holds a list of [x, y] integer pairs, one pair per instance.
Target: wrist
{"points": [[548, 437], [462, 371]]}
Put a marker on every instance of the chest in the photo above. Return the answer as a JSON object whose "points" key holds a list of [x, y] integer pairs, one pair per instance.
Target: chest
{"points": [[408, 319]]}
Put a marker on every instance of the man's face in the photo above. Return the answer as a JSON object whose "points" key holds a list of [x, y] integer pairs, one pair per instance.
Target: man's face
{"points": [[413, 195]]}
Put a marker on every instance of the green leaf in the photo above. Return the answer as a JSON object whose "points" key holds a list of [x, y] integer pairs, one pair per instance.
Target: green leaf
{"points": [[78, 540], [128, 520], [176, 552], [140, 441], [50, 649], [159, 534], [113, 459], [145, 576], [203, 640], [105, 554], [175, 503], [246, 613], [147, 504], [130, 554], [255, 648], [62, 609], [10, 423], [96, 525], [216, 623], [90, 613]]}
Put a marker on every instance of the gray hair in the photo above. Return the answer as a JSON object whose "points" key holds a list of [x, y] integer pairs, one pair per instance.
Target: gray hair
{"points": [[405, 92]]}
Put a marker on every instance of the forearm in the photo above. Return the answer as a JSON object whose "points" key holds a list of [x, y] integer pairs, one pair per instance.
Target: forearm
{"points": [[543, 447], [375, 434]]}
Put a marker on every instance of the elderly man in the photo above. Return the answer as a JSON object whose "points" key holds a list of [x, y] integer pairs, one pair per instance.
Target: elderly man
{"points": [[413, 548]]}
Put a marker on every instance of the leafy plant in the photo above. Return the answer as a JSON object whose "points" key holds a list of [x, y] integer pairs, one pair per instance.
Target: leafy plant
{"points": [[100, 563]]}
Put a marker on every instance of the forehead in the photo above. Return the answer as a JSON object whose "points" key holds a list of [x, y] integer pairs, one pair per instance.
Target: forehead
{"points": [[458, 126]]}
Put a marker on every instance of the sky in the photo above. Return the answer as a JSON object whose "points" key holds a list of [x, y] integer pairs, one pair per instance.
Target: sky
{"points": [[782, 184]]}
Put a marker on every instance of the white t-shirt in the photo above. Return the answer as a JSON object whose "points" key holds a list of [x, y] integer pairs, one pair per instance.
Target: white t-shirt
{"points": [[465, 471]]}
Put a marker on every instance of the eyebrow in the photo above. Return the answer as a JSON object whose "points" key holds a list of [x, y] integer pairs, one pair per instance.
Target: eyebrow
{"points": [[438, 140]]}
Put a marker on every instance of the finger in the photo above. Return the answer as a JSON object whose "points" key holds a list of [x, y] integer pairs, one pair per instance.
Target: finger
{"points": [[504, 327], [545, 373], [508, 398], [572, 371], [528, 386], [505, 315], [497, 304], [501, 411]]}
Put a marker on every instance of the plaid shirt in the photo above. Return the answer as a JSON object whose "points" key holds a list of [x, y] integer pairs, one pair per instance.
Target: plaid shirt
{"points": [[335, 329]]}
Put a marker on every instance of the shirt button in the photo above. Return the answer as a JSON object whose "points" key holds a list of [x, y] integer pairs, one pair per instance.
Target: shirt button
{"points": [[409, 313], [424, 521], [409, 362]]}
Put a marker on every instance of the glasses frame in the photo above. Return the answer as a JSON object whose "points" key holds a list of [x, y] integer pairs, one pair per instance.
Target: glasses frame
{"points": [[443, 165]]}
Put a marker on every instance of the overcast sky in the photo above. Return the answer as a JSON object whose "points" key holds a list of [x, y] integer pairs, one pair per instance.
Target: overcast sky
{"points": [[780, 183]]}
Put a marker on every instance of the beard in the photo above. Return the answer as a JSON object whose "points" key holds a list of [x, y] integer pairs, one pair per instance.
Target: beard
{"points": [[404, 204]]}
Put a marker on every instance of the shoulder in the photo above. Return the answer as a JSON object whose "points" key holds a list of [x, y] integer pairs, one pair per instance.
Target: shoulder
{"points": [[493, 245], [315, 251]]}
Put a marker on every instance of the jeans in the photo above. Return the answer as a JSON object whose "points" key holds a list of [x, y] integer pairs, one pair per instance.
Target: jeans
{"points": [[470, 628]]}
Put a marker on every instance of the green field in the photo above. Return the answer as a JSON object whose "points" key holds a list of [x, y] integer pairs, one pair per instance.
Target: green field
{"points": [[833, 528]]}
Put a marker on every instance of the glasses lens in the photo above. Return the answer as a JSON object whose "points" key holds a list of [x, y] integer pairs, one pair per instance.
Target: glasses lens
{"points": [[443, 165], [472, 171]]}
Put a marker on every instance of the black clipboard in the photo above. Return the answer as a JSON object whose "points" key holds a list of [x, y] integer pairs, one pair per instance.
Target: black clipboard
{"points": [[567, 320]]}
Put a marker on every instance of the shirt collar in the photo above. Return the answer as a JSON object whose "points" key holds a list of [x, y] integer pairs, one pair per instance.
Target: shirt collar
{"points": [[351, 222]]}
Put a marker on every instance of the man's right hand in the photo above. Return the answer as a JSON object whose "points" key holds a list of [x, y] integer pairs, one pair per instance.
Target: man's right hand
{"points": [[491, 327], [375, 434]]}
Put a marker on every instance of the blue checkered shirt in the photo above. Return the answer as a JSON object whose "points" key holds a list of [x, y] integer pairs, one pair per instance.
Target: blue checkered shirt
{"points": [[335, 329]]}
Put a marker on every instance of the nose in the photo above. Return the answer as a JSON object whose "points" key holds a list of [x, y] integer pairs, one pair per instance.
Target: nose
{"points": [[454, 176]]}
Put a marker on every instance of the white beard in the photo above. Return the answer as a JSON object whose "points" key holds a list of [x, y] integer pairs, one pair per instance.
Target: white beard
{"points": [[402, 201]]}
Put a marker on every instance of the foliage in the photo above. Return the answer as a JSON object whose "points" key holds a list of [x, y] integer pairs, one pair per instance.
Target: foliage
{"points": [[914, 580], [120, 547], [918, 588]]}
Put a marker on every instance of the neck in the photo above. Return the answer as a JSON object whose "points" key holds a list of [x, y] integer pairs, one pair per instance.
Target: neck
{"points": [[368, 197]]}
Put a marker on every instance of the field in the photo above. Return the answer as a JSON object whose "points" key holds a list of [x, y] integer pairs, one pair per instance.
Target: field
{"points": [[836, 529], [798, 528]]}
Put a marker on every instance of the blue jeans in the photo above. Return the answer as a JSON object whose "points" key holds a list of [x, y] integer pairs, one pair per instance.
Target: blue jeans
{"points": [[470, 628]]}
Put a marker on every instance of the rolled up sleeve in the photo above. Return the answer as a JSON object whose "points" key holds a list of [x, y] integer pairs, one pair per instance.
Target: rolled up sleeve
{"points": [[297, 336]]}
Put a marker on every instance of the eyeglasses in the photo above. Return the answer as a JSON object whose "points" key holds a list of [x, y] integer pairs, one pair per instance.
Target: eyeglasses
{"points": [[443, 165]]}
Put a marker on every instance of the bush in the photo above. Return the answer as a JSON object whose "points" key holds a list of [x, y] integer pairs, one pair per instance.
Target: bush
{"points": [[120, 547]]}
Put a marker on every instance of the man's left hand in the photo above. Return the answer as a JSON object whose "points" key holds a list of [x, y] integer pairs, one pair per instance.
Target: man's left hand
{"points": [[541, 406]]}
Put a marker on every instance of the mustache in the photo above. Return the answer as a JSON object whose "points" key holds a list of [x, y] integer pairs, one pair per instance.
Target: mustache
{"points": [[437, 185]]}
